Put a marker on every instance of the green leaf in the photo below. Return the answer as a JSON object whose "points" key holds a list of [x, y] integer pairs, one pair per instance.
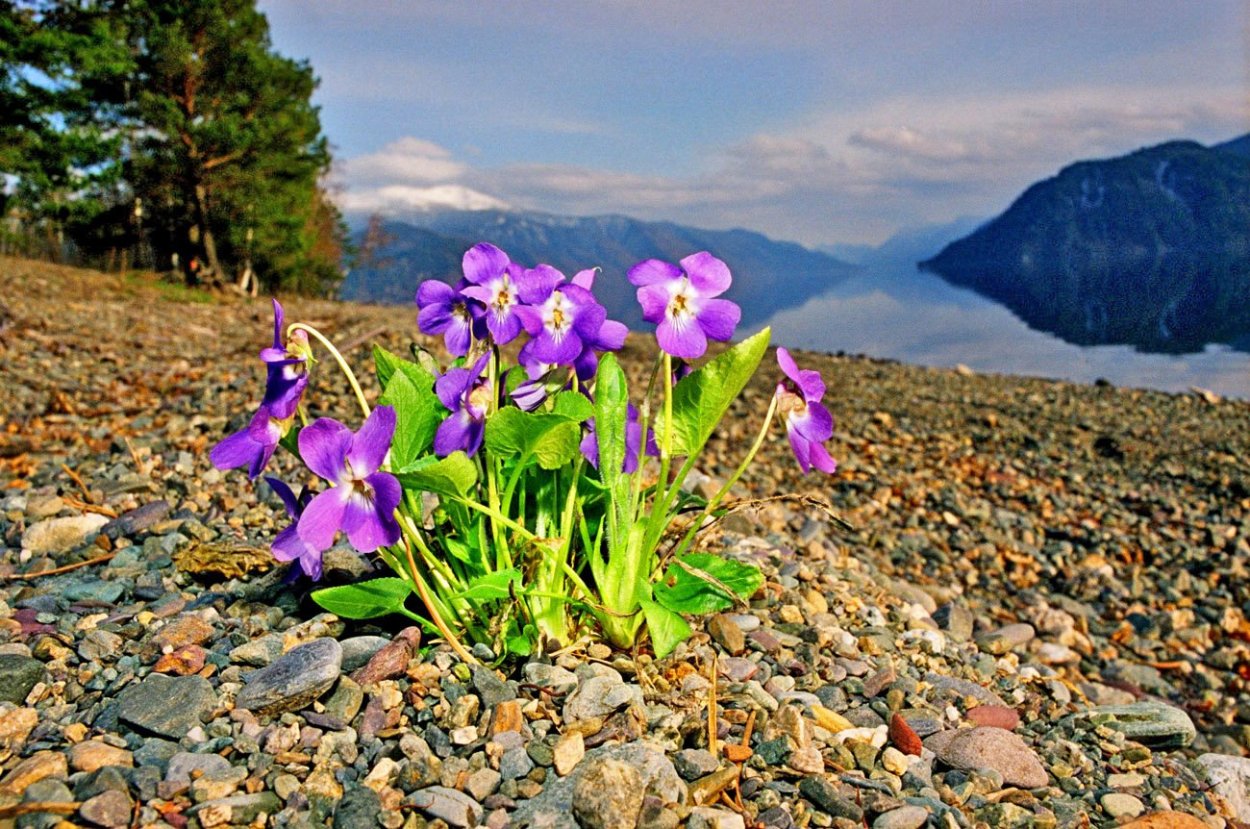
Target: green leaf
{"points": [[417, 411], [367, 600], [667, 628], [552, 439], [386, 364], [685, 590], [290, 441], [611, 411], [492, 586], [574, 406], [453, 475], [702, 397]]}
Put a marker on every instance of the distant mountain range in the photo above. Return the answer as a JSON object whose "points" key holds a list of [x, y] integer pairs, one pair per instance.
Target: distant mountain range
{"points": [[1151, 249], [768, 275]]}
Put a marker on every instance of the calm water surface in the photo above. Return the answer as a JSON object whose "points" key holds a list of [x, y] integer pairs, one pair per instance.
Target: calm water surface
{"points": [[893, 311]]}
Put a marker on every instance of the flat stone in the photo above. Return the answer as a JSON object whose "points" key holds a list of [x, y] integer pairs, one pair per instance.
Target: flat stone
{"points": [[705, 817], [727, 634], [185, 630], [951, 686], [60, 535], [359, 809], [132, 522], [490, 688], [568, 752], [294, 680], [357, 650], [904, 817], [997, 716], [36, 767], [1152, 724], [236, 809], [1118, 805], [990, 748], [456, 808], [166, 706], [553, 677], [391, 660], [956, 620], [1006, 638], [1230, 780], [93, 754], [112, 809], [18, 675], [827, 797], [15, 726], [693, 763], [600, 696], [1166, 820]]}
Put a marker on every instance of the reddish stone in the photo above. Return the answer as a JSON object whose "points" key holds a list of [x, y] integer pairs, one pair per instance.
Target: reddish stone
{"points": [[183, 631], [904, 737], [995, 716], [183, 662], [392, 660]]}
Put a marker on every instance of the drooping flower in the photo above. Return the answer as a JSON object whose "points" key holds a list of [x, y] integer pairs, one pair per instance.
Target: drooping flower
{"points": [[808, 422], [467, 394], [633, 442], [253, 445], [362, 500], [682, 300], [448, 311], [560, 316], [287, 545], [287, 368], [495, 282]]}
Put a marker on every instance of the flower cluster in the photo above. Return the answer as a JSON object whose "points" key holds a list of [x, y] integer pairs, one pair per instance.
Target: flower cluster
{"points": [[515, 454]]}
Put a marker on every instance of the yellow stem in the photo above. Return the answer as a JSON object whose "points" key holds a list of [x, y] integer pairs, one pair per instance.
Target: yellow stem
{"points": [[334, 352]]}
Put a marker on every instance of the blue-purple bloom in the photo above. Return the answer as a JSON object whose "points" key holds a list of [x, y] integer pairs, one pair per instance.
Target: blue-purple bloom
{"points": [[633, 442], [287, 369], [495, 282], [287, 545], [808, 422], [559, 316], [682, 300], [253, 445], [467, 394], [362, 501], [446, 310]]}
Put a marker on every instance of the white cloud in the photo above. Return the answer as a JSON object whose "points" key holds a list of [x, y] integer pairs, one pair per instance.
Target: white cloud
{"points": [[408, 160], [400, 198]]}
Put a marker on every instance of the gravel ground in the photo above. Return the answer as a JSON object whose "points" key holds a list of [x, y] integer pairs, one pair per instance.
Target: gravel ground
{"points": [[1036, 616]]}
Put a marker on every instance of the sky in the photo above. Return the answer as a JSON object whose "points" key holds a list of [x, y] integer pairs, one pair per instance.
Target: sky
{"points": [[818, 121]]}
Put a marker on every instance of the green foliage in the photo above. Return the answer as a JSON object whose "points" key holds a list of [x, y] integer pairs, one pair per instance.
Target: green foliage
{"points": [[703, 396], [366, 600]]}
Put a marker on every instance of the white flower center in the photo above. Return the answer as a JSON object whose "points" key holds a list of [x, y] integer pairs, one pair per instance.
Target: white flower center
{"points": [[682, 302], [557, 315]]}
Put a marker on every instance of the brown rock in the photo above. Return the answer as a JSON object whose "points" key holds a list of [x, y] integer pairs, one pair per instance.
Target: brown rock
{"points": [[994, 716], [879, 681], [993, 748], [93, 754], [184, 661], [507, 717], [392, 660], [36, 767], [15, 727], [608, 795], [727, 634], [183, 631], [904, 737], [735, 753], [1166, 820]]}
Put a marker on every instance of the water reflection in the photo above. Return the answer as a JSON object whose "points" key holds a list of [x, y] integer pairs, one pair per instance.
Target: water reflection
{"points": [[891, 310]]}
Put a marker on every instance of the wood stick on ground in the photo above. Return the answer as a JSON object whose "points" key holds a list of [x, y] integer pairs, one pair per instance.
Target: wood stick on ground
{"points": [[107, 512], [19, 809], [712, 717], [56, 571], [74, 476]]}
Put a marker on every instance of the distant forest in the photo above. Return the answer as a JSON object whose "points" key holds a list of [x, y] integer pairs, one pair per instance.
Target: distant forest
{"points": [[166, 131]]}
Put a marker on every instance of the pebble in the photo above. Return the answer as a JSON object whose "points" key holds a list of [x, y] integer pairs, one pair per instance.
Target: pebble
{"points": [[993, 748], [568, 752], [456, 808], [704, 817], [904, 817], [294, 680], [608, 795], [1154, 724], [726, 632], [996, 716], [1230, 779], [91, 755], [111, 809], [61, 535], [18, 676], [166, 706], [1006, 638], [1118, 805]]}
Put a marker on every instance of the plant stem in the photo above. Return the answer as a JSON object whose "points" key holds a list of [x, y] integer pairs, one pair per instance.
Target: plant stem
{"points": [[424, 593], [334, 352]]}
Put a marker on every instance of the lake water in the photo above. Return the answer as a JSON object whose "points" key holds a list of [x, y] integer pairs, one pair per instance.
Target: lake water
{"points": [[893, 311]]}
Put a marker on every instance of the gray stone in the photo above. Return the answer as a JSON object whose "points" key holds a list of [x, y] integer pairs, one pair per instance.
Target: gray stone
{"points": [[599, 696], [1150, 723], [357, 650], [1007, 638], [1118, 805], [456, 808], [607, 795], [294, 679], [515, 763], [956, 620], [987, 747], [60, 535], [553, 807], [47, 790], [951, 686], [490, 687], [705, 817], [693, 763], [829, 799], [237, 808], [904, 817], [260, 652], [18, 675], [559, 680], [1230, 780], [94, 590], [184, 765], [359, 809], [166, 706]]}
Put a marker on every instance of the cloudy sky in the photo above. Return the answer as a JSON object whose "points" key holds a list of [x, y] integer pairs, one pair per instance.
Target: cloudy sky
{"points": [[820, 121]]}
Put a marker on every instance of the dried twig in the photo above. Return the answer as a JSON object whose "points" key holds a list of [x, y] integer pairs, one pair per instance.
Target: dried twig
{"points": [[19, 809], [56, 571], [77, 479], [107, 512], [711, 711]]}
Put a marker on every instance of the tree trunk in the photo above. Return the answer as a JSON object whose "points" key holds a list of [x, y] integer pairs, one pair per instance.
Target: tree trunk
{"points": [[205, 231]]}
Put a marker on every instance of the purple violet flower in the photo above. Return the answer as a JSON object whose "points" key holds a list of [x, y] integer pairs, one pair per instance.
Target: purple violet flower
{"points": [[682, 301], [362, 501], [495, 282], [253, 445], [560, 316], [633, 442], [287, 368], [808, 422], [287, 545], [467, 394], [446, 310]]}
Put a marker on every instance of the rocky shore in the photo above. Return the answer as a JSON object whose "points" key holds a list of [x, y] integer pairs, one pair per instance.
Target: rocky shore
{"points": [[1024, 607]]}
